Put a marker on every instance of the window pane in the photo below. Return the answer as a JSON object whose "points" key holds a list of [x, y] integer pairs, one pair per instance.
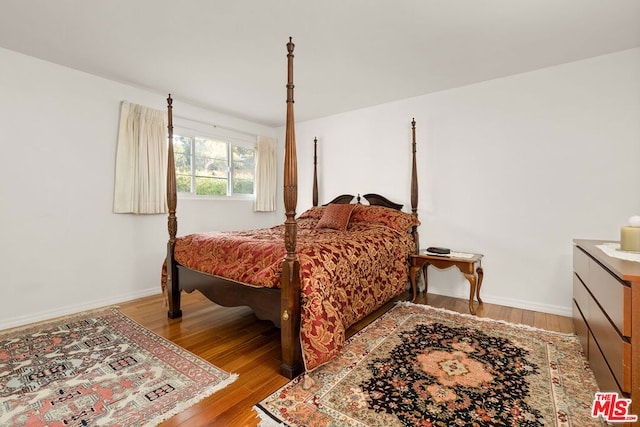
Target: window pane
{"points": [[183, 183], [211, 167], [211, 186], [182, 158], [211, 158], [183, 164], [182, 154], [205, 163], [244, 169]]}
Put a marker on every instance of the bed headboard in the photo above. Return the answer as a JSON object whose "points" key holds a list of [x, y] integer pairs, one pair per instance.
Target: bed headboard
{"points": [[372, 198]]}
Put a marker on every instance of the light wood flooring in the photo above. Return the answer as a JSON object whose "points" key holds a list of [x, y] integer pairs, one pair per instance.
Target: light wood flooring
{"points": [[236, 341]]}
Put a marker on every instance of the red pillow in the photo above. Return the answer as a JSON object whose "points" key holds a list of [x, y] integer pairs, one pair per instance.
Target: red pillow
{"points": [[336, 216]]}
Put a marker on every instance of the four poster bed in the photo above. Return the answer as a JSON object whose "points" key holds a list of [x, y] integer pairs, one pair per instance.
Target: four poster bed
{"points": [[313, 276]]}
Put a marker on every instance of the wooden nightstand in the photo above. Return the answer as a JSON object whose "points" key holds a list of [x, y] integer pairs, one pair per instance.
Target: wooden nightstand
{"points": [[470, 265]]}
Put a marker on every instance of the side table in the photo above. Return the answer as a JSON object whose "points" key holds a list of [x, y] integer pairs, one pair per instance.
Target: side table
{"points": [[470, 265]]}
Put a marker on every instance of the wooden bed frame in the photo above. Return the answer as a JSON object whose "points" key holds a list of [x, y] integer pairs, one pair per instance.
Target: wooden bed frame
{"points": [[280, 306]]}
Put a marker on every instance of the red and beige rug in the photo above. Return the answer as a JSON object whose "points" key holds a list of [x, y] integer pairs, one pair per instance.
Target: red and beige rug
{"points": [[422, 366], [98, 369]]}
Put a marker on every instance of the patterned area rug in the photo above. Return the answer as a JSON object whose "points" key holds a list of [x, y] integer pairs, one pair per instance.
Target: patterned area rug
{"points": [[422, 366], [98, 369]]}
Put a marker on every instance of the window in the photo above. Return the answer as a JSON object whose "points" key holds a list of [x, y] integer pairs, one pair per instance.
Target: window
{"points": [[208, 166]]}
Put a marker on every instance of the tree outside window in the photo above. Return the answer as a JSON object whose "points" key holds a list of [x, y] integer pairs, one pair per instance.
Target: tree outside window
{"points": [[212, 167]]}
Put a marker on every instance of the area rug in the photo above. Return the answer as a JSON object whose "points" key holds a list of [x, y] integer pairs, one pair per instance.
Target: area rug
{"points": [[422, 366], [98, 369]]}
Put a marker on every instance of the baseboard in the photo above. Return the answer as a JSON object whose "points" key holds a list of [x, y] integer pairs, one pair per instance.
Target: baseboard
{"points": [[528, 305], [77, 308], [509, 302]]}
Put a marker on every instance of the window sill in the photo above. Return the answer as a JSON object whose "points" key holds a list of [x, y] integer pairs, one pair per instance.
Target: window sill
{"points": [[241, 198]]}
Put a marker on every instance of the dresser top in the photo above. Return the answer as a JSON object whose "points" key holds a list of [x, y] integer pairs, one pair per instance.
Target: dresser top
{"points": [[625, 270]]}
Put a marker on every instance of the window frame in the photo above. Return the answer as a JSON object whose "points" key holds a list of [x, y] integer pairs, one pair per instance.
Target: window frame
{"points": [[230, 141]]}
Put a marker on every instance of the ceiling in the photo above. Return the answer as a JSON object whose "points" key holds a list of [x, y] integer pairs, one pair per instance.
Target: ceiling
{"points": [[229, 56]]}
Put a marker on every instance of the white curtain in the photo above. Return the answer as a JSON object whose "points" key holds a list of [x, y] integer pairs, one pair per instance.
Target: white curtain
{"points": [[266, 173], [141, 161]]}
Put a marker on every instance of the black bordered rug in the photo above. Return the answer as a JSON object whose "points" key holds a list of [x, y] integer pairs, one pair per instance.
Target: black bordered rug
{"points": [[422, 366]]}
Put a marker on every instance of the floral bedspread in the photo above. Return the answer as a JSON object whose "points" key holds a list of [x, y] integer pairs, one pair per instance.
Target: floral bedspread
{"points": [[345, 275]]}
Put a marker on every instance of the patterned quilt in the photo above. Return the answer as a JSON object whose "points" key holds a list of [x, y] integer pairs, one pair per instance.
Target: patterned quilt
{"points": [[345, 274]]}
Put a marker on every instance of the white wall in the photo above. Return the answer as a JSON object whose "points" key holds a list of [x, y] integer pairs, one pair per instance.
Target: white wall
{"points": [[63, 250], [514, 168]]}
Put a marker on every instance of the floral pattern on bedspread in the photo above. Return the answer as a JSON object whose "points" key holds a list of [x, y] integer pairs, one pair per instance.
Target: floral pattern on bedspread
{"points": [[345, 275], [252, 257]]}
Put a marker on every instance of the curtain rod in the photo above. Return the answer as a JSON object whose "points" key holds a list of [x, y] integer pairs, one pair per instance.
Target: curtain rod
{"points": [[216, 126]]}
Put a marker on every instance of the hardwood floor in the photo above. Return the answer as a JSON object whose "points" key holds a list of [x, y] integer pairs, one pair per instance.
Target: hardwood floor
{"points": [[236, 341]]}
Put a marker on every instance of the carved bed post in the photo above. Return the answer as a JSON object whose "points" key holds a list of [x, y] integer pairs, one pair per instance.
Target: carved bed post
{"points": [[172, 285], [290, 281], [315, 171], [414, 183]]}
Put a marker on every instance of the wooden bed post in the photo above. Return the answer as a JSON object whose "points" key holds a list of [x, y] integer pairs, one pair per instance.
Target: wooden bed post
{"points": [[315, 171], [414, 183], [290, 280], [172, 285]]}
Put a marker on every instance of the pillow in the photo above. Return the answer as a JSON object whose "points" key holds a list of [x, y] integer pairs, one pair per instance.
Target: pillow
{"points": [[398, 220], [336, 216], [313, 212]]}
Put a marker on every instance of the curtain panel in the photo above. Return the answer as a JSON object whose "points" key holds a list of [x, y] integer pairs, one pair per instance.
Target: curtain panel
{"points": [[141, 161], [266, 173]]}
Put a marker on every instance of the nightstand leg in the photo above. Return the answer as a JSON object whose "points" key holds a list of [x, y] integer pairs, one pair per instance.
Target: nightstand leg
{"points": [[424, 276], [472, 285], [480, 276]]}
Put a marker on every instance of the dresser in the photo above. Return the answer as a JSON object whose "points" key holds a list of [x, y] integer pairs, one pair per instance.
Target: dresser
{"points": [[606, 316]]}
